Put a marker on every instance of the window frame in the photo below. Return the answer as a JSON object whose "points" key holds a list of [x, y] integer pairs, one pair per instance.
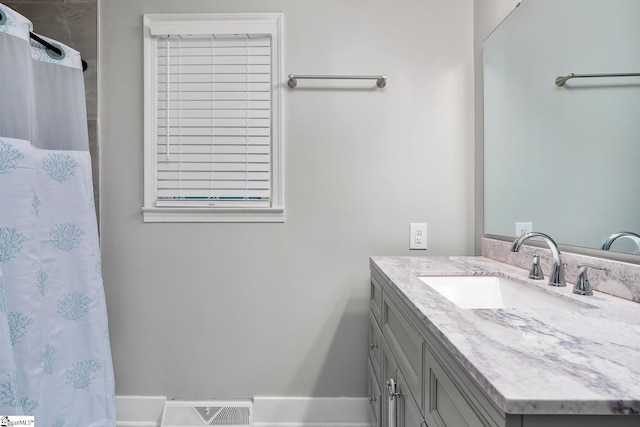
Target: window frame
{"points": [[155, 25]]}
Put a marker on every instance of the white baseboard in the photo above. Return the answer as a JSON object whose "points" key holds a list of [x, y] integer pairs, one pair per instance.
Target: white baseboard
{"points": [[311, 412], [309, 425], [146, 411]]}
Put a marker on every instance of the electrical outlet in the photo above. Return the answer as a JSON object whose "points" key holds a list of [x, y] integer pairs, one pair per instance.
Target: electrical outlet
{"points": [[523, 227], [418, 235]]}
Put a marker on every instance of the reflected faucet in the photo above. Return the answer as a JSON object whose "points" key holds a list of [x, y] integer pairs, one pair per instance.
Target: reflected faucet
{"points": [[615, 236], [556, 277]]}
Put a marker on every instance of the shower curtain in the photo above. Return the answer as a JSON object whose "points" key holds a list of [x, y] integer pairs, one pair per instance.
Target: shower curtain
{"points": [[55, 357]]}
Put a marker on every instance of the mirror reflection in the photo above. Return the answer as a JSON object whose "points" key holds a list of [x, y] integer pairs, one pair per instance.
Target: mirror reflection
{"points": [[564, 160]]}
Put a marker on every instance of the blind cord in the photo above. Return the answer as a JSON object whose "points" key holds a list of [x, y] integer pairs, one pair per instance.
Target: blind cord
{"points": [[246, 115], [168, 118], [179, 76], [213, 114]]}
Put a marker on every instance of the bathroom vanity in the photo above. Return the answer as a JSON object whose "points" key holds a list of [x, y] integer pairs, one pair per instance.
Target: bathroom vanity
{"points": [[432, 362]]}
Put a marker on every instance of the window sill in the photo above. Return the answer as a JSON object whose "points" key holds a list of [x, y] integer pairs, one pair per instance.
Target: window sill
{"points": [[212, 215]]}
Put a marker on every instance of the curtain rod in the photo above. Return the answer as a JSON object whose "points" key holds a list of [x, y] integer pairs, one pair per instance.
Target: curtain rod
{"points": [[561, 80], [381, 81], [55, 49]]}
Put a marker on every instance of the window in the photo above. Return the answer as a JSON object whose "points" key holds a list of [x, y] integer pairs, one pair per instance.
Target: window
{"points": [[213, 145]]}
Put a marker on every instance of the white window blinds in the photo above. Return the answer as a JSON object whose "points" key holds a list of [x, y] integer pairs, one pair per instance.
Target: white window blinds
{"points": [[214, 120], [213, 146]]}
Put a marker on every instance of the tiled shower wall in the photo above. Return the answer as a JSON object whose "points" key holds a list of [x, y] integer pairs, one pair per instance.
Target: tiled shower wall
{"points": [[74, 23]]}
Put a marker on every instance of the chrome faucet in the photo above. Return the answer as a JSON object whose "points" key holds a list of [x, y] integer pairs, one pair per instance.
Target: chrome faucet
{"points": [[615, 236], [556, 277]]}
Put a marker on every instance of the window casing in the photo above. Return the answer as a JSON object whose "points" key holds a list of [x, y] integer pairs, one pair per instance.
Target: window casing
{"points": [[213, 145]]}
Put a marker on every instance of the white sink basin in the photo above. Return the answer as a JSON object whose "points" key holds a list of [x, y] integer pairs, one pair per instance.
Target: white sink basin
{"points": [[495, 292]]}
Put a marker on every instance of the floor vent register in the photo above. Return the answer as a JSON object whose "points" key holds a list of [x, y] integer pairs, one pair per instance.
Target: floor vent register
{"points": [[178, 413]]}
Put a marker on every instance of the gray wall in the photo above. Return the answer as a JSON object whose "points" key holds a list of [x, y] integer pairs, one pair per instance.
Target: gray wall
{"points": [[238, 310]]}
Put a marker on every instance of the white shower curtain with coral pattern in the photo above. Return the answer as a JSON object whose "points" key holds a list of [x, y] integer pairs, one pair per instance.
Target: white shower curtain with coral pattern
{"points": [[55, 357]]}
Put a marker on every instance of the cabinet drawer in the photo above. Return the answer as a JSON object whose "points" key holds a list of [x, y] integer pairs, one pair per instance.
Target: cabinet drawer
{"points": [[375, 346], [406, 345], [375, 300], [446, 405], [375, 397]]}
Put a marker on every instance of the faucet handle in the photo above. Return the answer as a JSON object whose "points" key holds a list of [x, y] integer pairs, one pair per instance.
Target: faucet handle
{"points": [[582, 285], [535, 272]]}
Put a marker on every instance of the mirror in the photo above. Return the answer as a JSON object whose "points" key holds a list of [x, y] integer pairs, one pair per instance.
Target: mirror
{"points": [[564, 160]]}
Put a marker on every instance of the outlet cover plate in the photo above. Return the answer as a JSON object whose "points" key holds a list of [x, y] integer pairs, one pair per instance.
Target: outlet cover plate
{"points": [[418, 235], [523, 227]]}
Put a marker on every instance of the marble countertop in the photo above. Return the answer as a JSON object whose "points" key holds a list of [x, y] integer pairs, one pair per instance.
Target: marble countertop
{"points": [[530, 361]]}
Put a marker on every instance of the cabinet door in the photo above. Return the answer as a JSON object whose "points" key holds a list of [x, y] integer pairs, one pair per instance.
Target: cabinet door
{"points": [[406, 344], [375, 397], [389, 371], [446, 406], [375, 346], [408, 413]]}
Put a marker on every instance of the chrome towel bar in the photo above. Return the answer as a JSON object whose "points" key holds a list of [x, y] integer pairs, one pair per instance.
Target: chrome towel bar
{"points": [[381, 81], [561, 80]]}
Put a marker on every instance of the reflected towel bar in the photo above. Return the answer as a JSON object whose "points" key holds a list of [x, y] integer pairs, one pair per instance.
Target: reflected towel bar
{"points": [[561, 80], [381, 81]]}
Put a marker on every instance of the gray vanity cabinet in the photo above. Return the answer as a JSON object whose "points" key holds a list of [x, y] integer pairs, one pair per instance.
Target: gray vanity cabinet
{"points": [[374, 383], [409, 358], [375, 397], [408, 413], [395, 365], [431, 387], [446, 406], [375, 346], [398, 350], [399, 408], [389, 370], [375, 375], [375, 302], [407, 346]]}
